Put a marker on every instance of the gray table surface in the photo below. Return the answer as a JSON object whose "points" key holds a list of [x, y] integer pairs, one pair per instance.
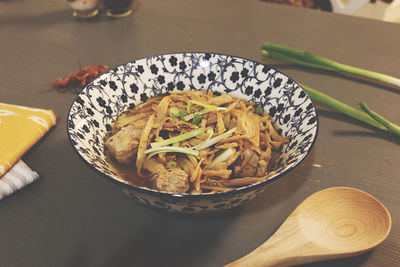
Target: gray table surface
{"points": [[74, 217]]}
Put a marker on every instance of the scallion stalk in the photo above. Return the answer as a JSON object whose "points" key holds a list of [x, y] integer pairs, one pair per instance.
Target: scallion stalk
{"points": [[389, 125], [341, 107], [304, 58], [201, 104], [215, 140], [155, 150], [210, 132], [221, 157], [204, 111], [301, 57], [207, 108], [191, 116], [178, 138]]}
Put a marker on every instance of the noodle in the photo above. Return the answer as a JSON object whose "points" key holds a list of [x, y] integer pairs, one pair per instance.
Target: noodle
{"points": [[226, 143], [144, 142]]}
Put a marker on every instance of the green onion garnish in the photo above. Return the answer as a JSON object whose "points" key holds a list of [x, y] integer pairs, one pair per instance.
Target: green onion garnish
{"points": [[171, 164], [182, 113], [197, 118], [191, 116], [215, 140], [174, 113], [176, 144], [259, 110], [221, 157], [178, 138], [210, 132], [201, 104], [204, 111], [166, 149]]}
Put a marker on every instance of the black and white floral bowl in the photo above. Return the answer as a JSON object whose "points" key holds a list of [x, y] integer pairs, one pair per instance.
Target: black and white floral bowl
{"points": [[100, 103]]}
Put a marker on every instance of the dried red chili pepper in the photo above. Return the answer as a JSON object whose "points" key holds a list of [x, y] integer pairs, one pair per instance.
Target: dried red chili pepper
{"points": [[79, 79]]}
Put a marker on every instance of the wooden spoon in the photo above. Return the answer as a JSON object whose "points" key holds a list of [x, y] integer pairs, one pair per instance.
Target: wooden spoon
{"points": [[332, 223]]}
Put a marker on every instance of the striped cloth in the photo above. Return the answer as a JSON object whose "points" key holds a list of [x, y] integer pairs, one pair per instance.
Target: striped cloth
{"points": [[15, 178]]}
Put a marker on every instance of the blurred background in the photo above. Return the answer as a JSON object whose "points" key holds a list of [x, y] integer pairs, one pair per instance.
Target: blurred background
{"points": [[385, 10]]}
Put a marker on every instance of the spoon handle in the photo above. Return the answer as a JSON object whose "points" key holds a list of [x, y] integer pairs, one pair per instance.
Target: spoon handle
{"points": [[283, 248], [265, 256], [333, 223]]}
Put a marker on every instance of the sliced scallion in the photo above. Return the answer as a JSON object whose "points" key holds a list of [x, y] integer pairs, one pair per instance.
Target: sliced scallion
{"points": [[191, 116], [259, 110], [201, 104], [210, 132], [176, 144], [221, 157], [171, 164], [204, 111], [215, 140], [165, 149], [174, 113], [197, 118], [393, 128], [182, 113], [178, 138]]}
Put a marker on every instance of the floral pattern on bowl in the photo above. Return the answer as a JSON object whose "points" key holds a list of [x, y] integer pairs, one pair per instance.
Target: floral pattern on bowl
{"points": [[102, 101]]}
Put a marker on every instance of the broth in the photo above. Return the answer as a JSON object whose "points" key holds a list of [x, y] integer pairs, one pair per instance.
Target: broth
{"points": [[200, 142]]}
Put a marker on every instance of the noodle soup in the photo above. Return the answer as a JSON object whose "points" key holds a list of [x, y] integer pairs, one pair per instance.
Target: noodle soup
{"points": [[194, 142]]}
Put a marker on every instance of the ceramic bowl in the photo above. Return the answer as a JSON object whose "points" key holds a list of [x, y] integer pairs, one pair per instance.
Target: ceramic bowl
{"points": [[100, 103]]}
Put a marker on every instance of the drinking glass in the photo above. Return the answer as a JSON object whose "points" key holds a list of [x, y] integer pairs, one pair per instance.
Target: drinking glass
{"points": [[118, 8], [84, 8]]}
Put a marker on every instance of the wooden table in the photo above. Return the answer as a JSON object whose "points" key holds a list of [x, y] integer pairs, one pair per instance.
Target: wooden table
{"points": [[74, 217]]}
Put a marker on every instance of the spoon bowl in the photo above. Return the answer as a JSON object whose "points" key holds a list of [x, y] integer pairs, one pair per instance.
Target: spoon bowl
{"points": [[332, 223]]}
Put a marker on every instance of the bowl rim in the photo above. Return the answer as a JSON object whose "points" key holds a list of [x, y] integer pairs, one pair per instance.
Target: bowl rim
{"points": [[243, 189]]}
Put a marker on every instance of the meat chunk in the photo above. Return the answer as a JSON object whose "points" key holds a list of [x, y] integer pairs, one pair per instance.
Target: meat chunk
{"points": [[263, 163], [249, 163], [252, 164], [262, 167], [123, 145], [172, 181]]}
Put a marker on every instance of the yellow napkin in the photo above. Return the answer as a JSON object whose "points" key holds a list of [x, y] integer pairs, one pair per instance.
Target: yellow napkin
{"points": [[20, 128]]}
